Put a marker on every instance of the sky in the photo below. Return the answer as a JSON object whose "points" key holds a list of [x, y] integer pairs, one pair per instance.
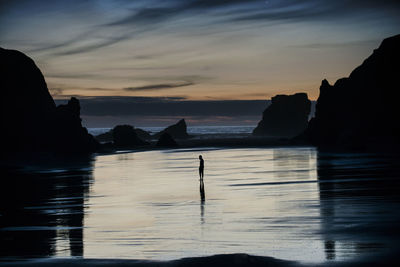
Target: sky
{"points": [[192, 50]]}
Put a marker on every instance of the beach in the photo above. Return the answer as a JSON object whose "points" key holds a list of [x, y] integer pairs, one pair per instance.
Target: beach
{"points": [[293, 204]]}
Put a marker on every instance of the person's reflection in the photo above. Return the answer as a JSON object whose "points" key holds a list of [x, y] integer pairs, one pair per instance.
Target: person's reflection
{"points": [[203, 200]]}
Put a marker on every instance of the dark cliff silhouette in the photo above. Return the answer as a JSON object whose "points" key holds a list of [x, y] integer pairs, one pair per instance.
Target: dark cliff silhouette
{"points": [[166, 140], [287, 116], [70, 135], [361, 111], [30, 120], [177, 131], [124, 136]]}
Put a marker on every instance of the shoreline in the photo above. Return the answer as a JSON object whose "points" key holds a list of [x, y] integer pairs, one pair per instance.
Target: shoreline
{"points": [[219, 142], [232, 260], [237, 259]]}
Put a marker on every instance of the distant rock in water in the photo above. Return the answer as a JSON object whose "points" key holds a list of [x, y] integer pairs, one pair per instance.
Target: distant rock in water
{"points": [[166, 140], [142, 134], [287, 116], [178, 130], [105, 137], [125, 136], [108, 136], [30, 120], [361, 111]]}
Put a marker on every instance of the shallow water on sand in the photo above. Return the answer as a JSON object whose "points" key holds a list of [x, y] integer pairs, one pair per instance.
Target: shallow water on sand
{"points": [[288, 203]]}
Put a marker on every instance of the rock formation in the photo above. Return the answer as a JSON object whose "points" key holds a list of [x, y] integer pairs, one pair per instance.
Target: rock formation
{"points": [[124, 136], [362, 110], [177, 131], [70, 135], [105, 137], [287, 116], [108, 136], [166, 140], [142, 134], [30, 120]]}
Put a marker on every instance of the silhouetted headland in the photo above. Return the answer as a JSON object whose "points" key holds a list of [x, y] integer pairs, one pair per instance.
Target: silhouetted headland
{"points": [[31, 122], [287, 116], [361, 112]]}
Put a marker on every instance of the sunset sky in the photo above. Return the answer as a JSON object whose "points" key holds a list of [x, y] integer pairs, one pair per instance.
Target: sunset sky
{"points": [[195, 50]]}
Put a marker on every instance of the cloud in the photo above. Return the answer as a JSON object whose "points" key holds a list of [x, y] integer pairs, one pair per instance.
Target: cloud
{"points": [[168, 106], [147, 15], [162, 11], [253, 10], [337, 44], [311, 10], [154, 87], [95, 44], [56, 92]]}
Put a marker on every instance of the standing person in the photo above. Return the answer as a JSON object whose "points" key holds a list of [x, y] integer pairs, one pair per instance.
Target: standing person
{"points": [[201, 168]]}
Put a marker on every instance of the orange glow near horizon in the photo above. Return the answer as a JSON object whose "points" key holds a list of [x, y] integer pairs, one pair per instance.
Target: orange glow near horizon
{"points": [[230, 50]]}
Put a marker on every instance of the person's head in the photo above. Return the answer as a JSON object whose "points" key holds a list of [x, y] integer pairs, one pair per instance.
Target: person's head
{"points": [[200, 157]]}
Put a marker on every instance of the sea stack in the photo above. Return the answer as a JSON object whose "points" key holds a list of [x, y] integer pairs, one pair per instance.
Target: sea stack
{"points": [[124, 136], [166, 140], [361, 111], [287, 116], [31, 122], [108, 136], [177, 131]]}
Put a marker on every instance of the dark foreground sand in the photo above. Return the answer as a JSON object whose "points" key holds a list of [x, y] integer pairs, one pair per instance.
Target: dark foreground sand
{"points": [[215, 260]]}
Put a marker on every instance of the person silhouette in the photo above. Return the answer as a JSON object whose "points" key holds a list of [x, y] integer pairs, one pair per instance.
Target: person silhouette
{"points": [[201, 168]]}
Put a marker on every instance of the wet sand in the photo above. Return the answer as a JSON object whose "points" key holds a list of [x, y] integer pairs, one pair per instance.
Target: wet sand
{"points": [[230, 260], [295, 204]]}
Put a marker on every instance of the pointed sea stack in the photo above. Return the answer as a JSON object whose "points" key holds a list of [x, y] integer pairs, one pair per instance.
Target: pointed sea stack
{"points": [[361, 111], [287, 116], [177, 131]]}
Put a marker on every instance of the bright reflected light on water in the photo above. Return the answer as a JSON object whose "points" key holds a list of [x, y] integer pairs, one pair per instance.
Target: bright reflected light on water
{"points": [[257, 201], [289, 203]]}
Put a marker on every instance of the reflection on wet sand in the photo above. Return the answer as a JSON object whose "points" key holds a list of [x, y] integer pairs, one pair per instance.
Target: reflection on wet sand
{"points": [[358, 193], [42, 213], [289, 203], [202, 200]]}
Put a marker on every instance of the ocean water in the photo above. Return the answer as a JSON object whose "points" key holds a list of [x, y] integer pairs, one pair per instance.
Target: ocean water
{"points": [[193, 130], [289, 203]]}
